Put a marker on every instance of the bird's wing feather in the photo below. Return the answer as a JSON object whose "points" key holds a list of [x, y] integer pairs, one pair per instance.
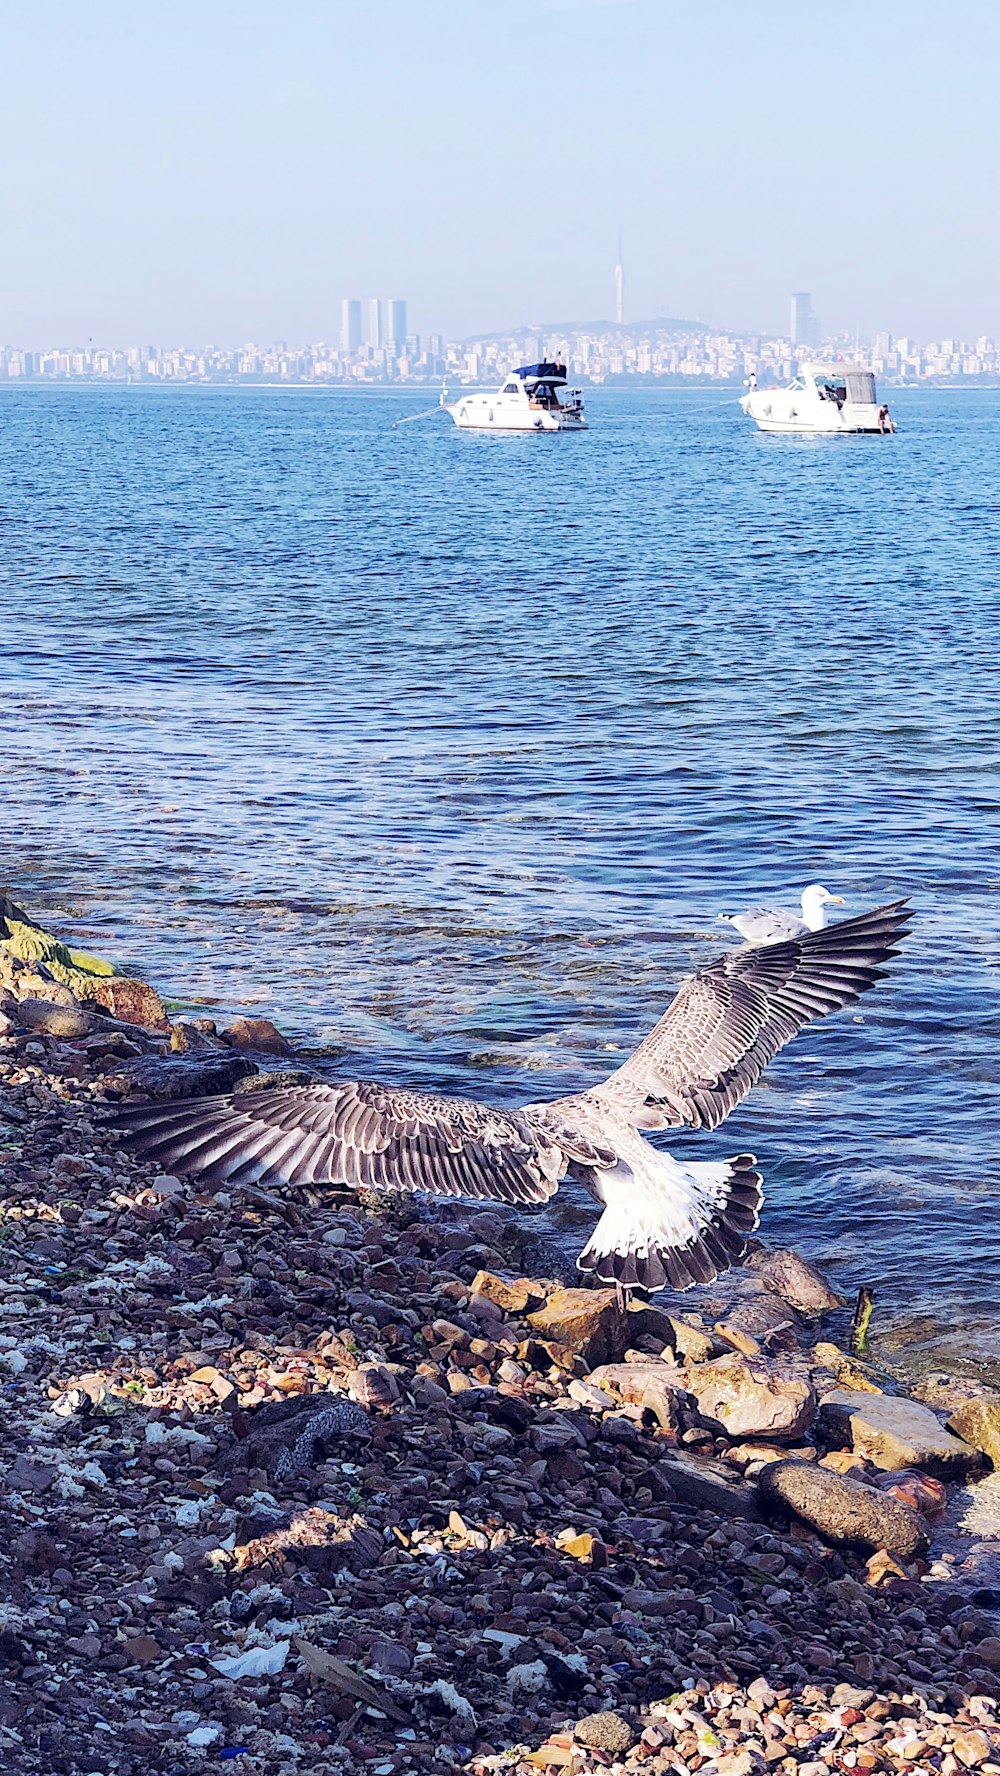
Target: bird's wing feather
{"points": [[733, 1016], [357, 1133]]}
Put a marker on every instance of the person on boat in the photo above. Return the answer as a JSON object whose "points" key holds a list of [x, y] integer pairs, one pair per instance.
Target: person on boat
{"points": [[884, 422]]}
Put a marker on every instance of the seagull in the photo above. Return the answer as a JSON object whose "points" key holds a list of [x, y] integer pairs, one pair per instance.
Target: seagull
{"points": [[769, 925], [664, 1220]]}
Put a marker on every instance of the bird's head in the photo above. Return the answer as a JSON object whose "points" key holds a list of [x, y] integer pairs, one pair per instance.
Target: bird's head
{"points": [[817, 896]]}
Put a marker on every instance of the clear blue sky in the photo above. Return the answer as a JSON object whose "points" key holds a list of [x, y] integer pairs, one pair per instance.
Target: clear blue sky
{"points": [[228, 169]]}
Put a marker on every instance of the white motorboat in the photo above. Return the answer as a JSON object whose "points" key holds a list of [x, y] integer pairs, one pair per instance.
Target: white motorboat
{"points": [[527, 401], [822, 398]]}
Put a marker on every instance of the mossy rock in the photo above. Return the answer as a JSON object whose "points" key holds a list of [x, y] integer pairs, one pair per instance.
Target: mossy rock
{"points": [[89, 977]]}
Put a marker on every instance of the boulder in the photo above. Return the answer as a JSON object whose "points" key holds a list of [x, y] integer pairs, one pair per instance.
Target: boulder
{"points": [[88, 977], [66, 1022], [763, 1316], [747, 1398], [800, 1284], [977, 1422], [895, 1433], [590, 1322], [647, 1320], [843, 1511], [166, 1077], [707, 1485], [129, 1000], [258, 1035]]}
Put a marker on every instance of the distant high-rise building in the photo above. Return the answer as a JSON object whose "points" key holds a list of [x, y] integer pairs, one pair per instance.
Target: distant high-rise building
{"points": [[619, 286], [350, 325], [395, 311], [804, 327], [375, 323]]}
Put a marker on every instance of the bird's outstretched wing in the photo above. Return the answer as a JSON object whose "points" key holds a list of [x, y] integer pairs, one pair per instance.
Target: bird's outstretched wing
{"points": [[361, 1134], [731, 1018]]}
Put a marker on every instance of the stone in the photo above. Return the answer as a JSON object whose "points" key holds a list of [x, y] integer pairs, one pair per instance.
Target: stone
{"points": [[977, 1421], [691, 1342], [747, 1399], [87, 977], [800, 1284], [971, 1748], [647, 1320], [737, 1339], [842, 1510], [988, 1652], [609, 1731], [895, 1433], [130, 1001], [258, 1035], [513, 1295], [637, 1383], [165, 1077], [707, 1485], [589, 1322], [67, 1023]]}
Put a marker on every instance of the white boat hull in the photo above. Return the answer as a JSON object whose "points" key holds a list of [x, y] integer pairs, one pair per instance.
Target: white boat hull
{"points": [[768, 417], [825, 398], [483, 413]]}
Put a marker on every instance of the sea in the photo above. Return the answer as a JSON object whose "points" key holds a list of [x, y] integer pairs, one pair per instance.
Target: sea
{"points": [[445, 751]]}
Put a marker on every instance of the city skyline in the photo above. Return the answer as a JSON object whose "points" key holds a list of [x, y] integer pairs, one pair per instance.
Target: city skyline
{"points": [[277, 153], [373, 349]]}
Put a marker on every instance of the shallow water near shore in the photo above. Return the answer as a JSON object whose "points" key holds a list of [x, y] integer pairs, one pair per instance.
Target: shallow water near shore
{"points": [[445, 751]]}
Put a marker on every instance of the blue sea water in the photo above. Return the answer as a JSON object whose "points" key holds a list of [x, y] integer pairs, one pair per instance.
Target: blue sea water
{"points": [[445, 751]]}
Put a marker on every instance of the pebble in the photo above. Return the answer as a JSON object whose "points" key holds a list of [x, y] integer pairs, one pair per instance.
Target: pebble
{"points": [[507, 1534]]}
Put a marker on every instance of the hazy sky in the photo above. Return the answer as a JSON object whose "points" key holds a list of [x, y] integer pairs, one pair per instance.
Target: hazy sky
{"points": [[218, 170]]}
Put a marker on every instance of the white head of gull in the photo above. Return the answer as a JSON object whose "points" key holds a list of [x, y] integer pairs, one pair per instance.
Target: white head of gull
{"points": [[768, 925], [664, 1220]]}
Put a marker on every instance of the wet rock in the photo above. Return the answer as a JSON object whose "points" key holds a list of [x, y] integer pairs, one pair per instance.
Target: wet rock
{"points": [[691, 1342], [130, 1001], [86, 977], [746, 1398], [606, 1732], [645, 1319], [844, 1511], [276, 1077], [590, 1322], [765, 1317], [707, 1485], [977, 1422], [800, 1284], [166, 1077], [257, 1035], [895, 1433], [920, 1491]]}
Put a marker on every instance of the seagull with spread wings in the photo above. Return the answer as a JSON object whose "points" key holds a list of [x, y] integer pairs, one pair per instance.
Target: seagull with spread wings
{"points": [[664, 1221]]}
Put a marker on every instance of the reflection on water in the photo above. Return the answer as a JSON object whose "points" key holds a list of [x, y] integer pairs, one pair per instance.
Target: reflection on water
{"points": [[446, 750]]}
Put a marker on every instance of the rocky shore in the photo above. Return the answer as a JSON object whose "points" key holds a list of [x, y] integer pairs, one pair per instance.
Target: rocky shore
{"points": [[339, 1487]]}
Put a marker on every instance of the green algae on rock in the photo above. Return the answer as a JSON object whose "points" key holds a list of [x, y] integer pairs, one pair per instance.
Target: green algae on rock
{"points": [[131, 1000]]}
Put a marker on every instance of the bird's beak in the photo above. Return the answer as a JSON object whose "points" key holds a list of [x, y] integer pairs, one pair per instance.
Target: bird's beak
{"points": [[838, 900]]}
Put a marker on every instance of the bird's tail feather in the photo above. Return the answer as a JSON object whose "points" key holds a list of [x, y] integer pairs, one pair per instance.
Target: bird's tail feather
{"points": [[641, 1242]]}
